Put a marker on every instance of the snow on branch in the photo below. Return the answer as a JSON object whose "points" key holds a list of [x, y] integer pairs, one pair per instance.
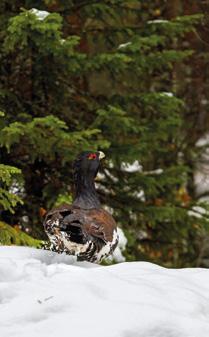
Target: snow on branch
{"points": [[41, 15]]}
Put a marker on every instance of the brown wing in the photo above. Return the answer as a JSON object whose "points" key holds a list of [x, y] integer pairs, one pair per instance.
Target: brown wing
{"points": [[95, 222], [99, 223]]}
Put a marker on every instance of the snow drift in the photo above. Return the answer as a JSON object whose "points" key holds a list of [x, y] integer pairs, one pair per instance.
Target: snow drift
{"points": [[43, 294]]}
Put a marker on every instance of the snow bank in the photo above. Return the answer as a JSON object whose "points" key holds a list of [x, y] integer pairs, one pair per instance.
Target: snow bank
{"points": [[44, 294]]}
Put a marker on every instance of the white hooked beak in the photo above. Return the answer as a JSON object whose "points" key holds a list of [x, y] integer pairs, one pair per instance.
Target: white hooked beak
{"points": [[101, 155]]}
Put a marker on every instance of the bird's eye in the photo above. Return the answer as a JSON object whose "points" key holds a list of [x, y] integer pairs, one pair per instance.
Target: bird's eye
{"points": [[92, 156]]}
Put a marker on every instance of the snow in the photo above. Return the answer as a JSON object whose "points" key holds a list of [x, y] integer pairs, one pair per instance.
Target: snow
{"points": [[133, 167], [43, 294], [157, 21], [137, 167], [140, 195], [197, 212], [204, 101], [157, 172], [165, 93], [201, 175], [41, 15], [203, 141], [201, 179], [124, 45]]}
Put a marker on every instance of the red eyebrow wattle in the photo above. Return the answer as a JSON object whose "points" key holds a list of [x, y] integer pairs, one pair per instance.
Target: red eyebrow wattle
{"points": [[92, 156]]}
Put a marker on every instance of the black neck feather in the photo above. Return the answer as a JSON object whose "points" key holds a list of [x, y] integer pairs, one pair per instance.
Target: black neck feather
{"points": [[85, 192]]}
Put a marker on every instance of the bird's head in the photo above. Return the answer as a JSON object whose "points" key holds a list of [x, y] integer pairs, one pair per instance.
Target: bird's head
{"points": [[87, 163]]}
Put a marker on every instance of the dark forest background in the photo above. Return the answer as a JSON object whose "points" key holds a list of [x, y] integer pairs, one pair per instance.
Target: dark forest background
{"points": [[129, 78]]}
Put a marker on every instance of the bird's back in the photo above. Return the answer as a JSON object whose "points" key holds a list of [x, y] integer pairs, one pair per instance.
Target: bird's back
{"points": [[90, 234]]}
